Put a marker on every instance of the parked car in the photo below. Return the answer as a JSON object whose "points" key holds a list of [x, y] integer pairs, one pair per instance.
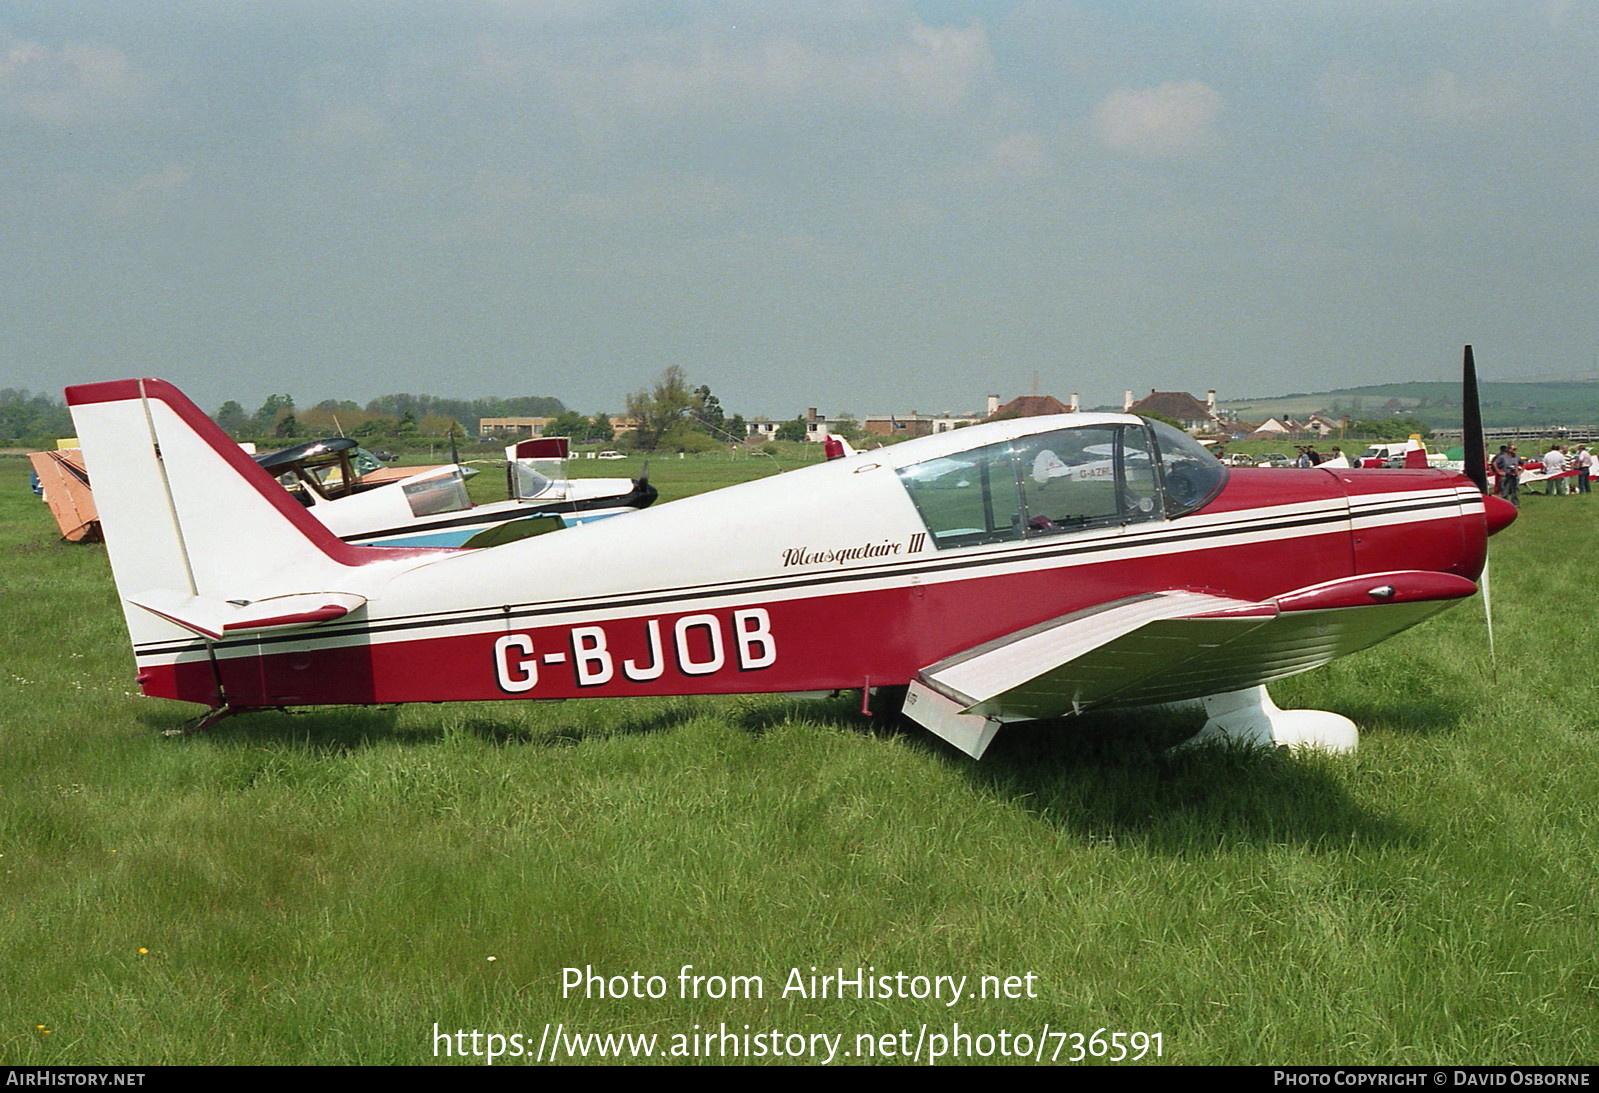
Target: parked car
{"points": [[610, 455]]}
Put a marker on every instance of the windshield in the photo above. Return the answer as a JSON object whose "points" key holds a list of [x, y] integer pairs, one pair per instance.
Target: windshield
{"points": [[1190, 474]]}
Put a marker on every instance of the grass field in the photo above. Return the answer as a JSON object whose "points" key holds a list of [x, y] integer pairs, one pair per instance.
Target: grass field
{"points": [[329, 886]]}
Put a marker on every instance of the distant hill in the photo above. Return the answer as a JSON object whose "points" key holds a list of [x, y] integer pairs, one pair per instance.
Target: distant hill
{"points": [[1568, 402]]}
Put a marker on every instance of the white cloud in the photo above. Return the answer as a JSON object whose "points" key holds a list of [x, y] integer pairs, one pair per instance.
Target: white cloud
{"points": [[77, 83], [1172, 120]]}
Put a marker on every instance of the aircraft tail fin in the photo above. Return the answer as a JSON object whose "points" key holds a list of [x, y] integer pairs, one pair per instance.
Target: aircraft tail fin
{"points": [[186, 513], [836, 447], [1415, 454]]}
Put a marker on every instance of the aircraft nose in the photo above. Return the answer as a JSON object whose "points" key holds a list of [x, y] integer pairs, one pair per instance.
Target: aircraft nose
{"points": [[1499, 513]]}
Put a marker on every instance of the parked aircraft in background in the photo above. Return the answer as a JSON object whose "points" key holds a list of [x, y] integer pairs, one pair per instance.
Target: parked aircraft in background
{"points": [[431, 507], [1024, 569], [364, 502], [65, 486], [65, 482], [1402, 455]]}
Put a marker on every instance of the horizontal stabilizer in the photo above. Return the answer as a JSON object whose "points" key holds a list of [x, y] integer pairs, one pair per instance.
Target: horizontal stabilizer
{"points": [[216, 619]]}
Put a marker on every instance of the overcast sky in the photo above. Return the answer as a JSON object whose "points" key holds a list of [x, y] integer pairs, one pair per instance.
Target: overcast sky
{"points": [[860, 206]]}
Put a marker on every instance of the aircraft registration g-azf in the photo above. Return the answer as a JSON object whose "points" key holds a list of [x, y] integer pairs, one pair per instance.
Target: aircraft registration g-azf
{"points": [[1025, 569]]}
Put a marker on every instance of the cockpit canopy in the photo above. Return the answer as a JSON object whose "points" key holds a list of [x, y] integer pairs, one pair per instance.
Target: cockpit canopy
{"points": [[1099, 474]]}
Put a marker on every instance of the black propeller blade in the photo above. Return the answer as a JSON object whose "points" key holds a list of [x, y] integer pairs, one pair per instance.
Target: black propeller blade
{"points": [[1471, 424]]}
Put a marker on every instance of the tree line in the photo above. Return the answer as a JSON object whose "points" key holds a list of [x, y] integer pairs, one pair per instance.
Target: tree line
{"points": [[669, 414], [388, 417], [29, 417], [672, 416]]}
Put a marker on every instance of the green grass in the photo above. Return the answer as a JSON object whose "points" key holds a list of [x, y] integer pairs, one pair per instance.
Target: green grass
{"points": [[323, 887]]}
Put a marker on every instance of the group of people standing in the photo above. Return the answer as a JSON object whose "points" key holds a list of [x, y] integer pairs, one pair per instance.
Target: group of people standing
{"points": [[1557, 462], [1310, 457]]}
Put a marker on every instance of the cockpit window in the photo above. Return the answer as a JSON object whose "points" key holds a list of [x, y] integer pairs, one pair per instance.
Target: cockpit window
{"points": [[1191, 475], [528, 482], [968, 498], [1045, 484], [1086, 477], [437, 494]]}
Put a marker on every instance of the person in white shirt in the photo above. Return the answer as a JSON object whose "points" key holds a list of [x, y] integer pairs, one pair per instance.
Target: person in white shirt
{"points": [[1584, 468], [1554, 462]]}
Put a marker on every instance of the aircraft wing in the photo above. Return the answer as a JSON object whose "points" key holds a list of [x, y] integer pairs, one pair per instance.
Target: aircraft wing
{"points": [[66, 490], [1166, 647]]}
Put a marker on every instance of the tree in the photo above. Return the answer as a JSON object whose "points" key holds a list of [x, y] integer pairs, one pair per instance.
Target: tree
{"points": [[569, 423], [338, 406], [658, 410], [440, 425], [791, 430], [469, 412], [1387, 428], [273, 410], [233, 420], [707, 412], [845, 425], [24, 415], [374, 426]]}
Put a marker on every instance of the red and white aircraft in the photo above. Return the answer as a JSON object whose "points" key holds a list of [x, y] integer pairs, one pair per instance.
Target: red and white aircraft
{"points": [[1025, 569]]}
